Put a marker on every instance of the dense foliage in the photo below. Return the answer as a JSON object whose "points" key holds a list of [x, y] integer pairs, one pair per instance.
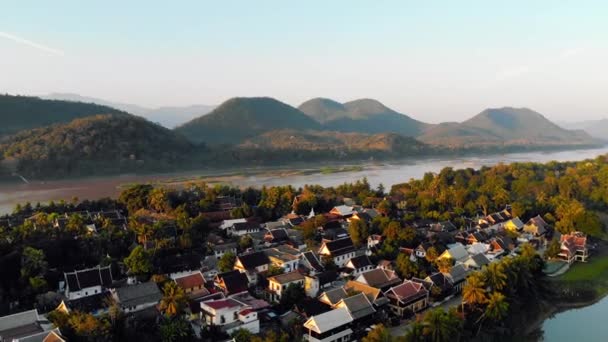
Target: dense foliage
{"points": [[20, 113]]}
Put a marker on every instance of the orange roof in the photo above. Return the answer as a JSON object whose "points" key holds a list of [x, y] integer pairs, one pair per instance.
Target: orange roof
{"points": [[191, 281]]}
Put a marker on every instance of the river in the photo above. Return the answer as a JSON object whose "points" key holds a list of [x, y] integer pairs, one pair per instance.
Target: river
{"points": [[386, 173], [588, 324]]}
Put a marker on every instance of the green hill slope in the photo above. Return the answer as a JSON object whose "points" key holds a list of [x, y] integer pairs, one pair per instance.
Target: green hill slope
{"points": [[240, 118]]}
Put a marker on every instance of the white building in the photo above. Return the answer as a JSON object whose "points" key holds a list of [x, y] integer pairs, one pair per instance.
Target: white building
{"points": [[87, 282], [230, 315], [279, 283], [331, 326]]}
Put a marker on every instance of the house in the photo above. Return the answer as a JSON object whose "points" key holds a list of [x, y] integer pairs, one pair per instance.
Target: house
{"points": [[407, 298], [421, 250], [442, 282], [514, 225], [286, 258], [45, 336], [340, 251], [457, 276], [476, 261], [496, 250], [232, 282], [573, 247], [456, 252], [477, 248], [343, 211], [536, 226], [229, 315], [276, 236], [331, 326], [324, 280], [477, 237], [374, 295], [193, 285], [23, 325], [221, 249], [251, 264], [311, 262], [334, 231], [358, 306], [279, 283], [138, 297], [311, 307], [87, 282], [243, 228], [333, 296], [387, 264], [374, 241], [226, 224], [361, 216], [379, 278], [359, 264], [445, 226]]}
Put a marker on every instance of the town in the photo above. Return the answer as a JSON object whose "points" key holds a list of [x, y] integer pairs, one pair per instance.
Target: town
{"points": [[316, 264]]}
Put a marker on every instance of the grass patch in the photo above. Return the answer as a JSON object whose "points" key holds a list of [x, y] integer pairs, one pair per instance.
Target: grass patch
{"points": [[594, 270]]}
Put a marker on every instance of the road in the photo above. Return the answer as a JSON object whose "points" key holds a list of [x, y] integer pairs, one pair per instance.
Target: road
{"points": [[402, 329]]}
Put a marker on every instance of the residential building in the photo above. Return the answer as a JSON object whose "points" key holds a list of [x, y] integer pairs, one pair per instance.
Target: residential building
{"points": [[343, 211], [230, 315], [87, 282], [22, 325], [573, 247], [232, 282], [476, 262], [536, 226], [243, 228], [287, 258], [193, 285], [407, 298], [340, 251], [374, 295], [379, 278], [137, 297], [331, 326], [279, 283], [333, 296], [457, 252], [221, 249], [359, 264], [457, 276], [358, 306], [311, 262], [251, 264]]}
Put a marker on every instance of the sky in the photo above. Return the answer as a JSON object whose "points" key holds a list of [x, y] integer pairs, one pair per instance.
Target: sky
{"points": [[433, 60]]}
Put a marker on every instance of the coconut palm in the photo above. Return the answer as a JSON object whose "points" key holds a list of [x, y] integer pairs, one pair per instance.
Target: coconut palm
{"points": [[474, 291], [438, 326], [173, 299], [498, 307], [495, 276]]}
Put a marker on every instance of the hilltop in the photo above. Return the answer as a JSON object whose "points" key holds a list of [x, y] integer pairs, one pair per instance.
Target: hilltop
{"points": [[93, 146], [596, 128], [505, 126], [241, 118], [20, 113], [363, 115]]}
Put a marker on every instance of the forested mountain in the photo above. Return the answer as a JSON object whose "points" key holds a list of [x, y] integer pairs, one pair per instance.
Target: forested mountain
{"points": [[169, 117], [505, 126], [240, 118], [18, 113], [364, 115], [95, 145]]}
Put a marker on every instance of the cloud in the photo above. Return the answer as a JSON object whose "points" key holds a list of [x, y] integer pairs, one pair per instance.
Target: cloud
{"points": [[31, 44]]}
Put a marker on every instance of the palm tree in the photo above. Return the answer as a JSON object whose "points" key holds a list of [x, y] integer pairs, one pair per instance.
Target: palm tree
{"points": [[498, 307], [496, 277], [474, 291], [173, 299], [438, 326]]}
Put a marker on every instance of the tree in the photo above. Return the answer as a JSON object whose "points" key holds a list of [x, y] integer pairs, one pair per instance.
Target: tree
{"points": [[139, 261], [87, 326], [158, 200], [176, 329], [245, 242], [358, 231], [135, 197], [385, 207], [439, 326], [274, 270], [444, 265], [405, 267], [173, 300], [495, 276], [226, 262], [378, 334], [553, 249], [497, 307], [431, 254], [294, 294], [242, 335], [474, 291], [33, 262]]}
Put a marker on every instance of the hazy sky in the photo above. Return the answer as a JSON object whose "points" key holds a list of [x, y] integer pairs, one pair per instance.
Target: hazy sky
{"points": [[434, 60]]}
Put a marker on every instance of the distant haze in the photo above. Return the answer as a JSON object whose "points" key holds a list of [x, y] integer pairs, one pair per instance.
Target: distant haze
{"points": [[435, 61]]}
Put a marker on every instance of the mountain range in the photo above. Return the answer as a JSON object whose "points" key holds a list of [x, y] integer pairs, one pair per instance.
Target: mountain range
{"points": [[170, 116], [46, 138], [596, 128]]}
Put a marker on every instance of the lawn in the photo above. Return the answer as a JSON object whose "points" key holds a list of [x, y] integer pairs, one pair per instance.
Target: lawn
{"points": [[594, 270]]}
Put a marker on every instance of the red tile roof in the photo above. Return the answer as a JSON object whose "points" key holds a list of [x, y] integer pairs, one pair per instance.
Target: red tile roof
{"points": [[223, 303], [408, 290], [191, 281]]}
